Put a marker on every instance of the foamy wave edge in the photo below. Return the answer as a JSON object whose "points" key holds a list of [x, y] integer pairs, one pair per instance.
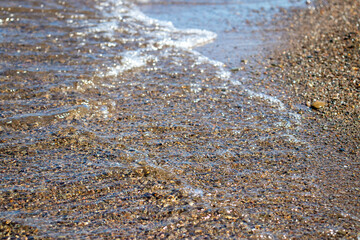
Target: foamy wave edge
{"points": [[186, 39]]}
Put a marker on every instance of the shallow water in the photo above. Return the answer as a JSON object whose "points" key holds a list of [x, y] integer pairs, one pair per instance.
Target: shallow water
{"points": [[240, 25], [112, 125]]}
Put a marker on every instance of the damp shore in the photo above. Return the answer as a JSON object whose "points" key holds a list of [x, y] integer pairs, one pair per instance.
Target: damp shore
{"points": [[201, 180]]}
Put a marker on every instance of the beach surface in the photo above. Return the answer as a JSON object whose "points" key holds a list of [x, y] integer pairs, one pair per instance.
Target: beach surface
{"points": [[117, 125]]}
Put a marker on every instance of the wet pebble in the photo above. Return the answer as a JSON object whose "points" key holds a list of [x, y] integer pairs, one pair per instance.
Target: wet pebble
{"points": [[318, 104]]}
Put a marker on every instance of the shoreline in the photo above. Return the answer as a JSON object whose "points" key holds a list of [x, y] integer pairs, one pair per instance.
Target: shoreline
{"points": [[189, 165]]}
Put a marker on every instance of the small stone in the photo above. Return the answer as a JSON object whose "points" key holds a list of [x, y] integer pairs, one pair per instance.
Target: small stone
{"points": [[235, 69], [318, 104]]}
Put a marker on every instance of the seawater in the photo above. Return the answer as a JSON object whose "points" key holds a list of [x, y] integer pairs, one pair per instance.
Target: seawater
{"points": [[112, 124]]}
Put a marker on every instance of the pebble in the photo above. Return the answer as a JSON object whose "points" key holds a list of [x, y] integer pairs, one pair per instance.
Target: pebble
{"points": [[318, 104]]}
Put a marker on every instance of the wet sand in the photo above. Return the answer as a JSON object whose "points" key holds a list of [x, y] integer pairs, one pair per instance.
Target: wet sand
{"points": [[277, 189]]}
